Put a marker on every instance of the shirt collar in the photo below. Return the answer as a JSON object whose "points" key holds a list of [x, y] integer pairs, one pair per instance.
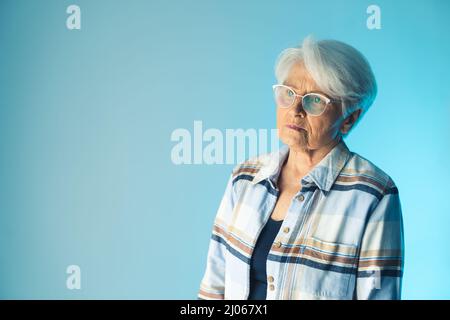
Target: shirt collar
{"points": [[323, 175]]}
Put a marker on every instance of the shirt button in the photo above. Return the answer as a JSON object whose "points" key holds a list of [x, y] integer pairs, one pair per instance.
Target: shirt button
{"points": [[301, 197], [272, 287], [270, 278], [277, 244], [286, 230]]}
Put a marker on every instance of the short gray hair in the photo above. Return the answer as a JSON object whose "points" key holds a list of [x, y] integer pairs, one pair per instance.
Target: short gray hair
{"points": [[338, 69]]}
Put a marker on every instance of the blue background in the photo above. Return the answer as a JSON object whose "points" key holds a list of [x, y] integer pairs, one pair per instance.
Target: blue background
{"points": [[86, 116]]}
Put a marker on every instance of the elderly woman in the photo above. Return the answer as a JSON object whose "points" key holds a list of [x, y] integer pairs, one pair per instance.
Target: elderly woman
{"points": [[312, 220]]}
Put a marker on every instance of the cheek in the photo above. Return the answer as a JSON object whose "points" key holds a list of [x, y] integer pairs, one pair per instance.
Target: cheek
{"points": [[317, 125], [281, 114], [322, 127]]}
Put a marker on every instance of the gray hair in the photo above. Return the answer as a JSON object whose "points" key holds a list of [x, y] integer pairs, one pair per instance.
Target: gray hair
{"points": [[338, 69]]}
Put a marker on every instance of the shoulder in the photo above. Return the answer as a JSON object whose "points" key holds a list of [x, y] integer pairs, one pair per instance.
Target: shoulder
{"points": [[252, 167], [362, 170]]}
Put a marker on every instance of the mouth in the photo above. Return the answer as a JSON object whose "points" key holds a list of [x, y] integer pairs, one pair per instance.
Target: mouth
{"points": [[295, 127]]}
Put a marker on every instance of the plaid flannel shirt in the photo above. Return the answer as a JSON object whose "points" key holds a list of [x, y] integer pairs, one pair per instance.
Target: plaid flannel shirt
{"points": [[341, 238]]}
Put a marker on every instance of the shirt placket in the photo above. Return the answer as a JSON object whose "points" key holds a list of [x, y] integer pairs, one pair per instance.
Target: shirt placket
{"points": [[293, 226]]}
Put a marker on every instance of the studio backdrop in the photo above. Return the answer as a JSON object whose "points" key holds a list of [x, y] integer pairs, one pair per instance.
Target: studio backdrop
{"points": [[120, 124]]}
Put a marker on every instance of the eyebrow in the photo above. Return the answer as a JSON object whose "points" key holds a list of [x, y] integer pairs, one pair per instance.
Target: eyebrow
{"points": [[314, 91]]}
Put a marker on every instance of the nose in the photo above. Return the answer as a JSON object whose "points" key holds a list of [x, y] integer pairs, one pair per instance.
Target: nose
{"points": [[298, 108]]}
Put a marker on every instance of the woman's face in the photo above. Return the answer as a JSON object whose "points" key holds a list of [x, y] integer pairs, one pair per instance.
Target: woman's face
{"points": [[316, 131]]}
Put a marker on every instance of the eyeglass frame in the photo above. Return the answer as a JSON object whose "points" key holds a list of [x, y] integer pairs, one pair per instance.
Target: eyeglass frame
{"points": [[327, 100]]}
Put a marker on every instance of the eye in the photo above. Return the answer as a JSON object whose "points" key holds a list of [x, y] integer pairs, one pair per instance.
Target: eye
{"points": [[317, 99]]}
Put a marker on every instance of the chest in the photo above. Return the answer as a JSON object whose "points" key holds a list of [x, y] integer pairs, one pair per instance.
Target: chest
{"points": [[289, 186], [283, 202]]}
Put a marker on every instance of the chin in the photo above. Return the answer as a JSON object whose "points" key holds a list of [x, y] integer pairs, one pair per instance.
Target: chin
{"points": [[299, 141]]}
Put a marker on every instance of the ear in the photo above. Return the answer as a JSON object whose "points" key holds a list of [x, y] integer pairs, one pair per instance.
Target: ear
{"points": [[349, 121]]}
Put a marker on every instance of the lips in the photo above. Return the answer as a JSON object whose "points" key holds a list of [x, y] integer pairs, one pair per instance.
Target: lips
{"points": [[295, 127]]}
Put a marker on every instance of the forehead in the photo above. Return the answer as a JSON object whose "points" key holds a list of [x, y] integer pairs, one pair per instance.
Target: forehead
{"points": [[300, 79]]}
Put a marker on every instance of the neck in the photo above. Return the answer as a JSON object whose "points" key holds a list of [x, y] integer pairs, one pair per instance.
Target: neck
{"points": [[300, 161]]}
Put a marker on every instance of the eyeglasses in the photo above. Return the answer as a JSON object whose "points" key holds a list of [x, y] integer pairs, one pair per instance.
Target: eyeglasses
{"points": [[313, 103]]}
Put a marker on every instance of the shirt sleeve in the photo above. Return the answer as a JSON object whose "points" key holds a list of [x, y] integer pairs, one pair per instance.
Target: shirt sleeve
{"points": [[212, 286], [381, 259]]}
